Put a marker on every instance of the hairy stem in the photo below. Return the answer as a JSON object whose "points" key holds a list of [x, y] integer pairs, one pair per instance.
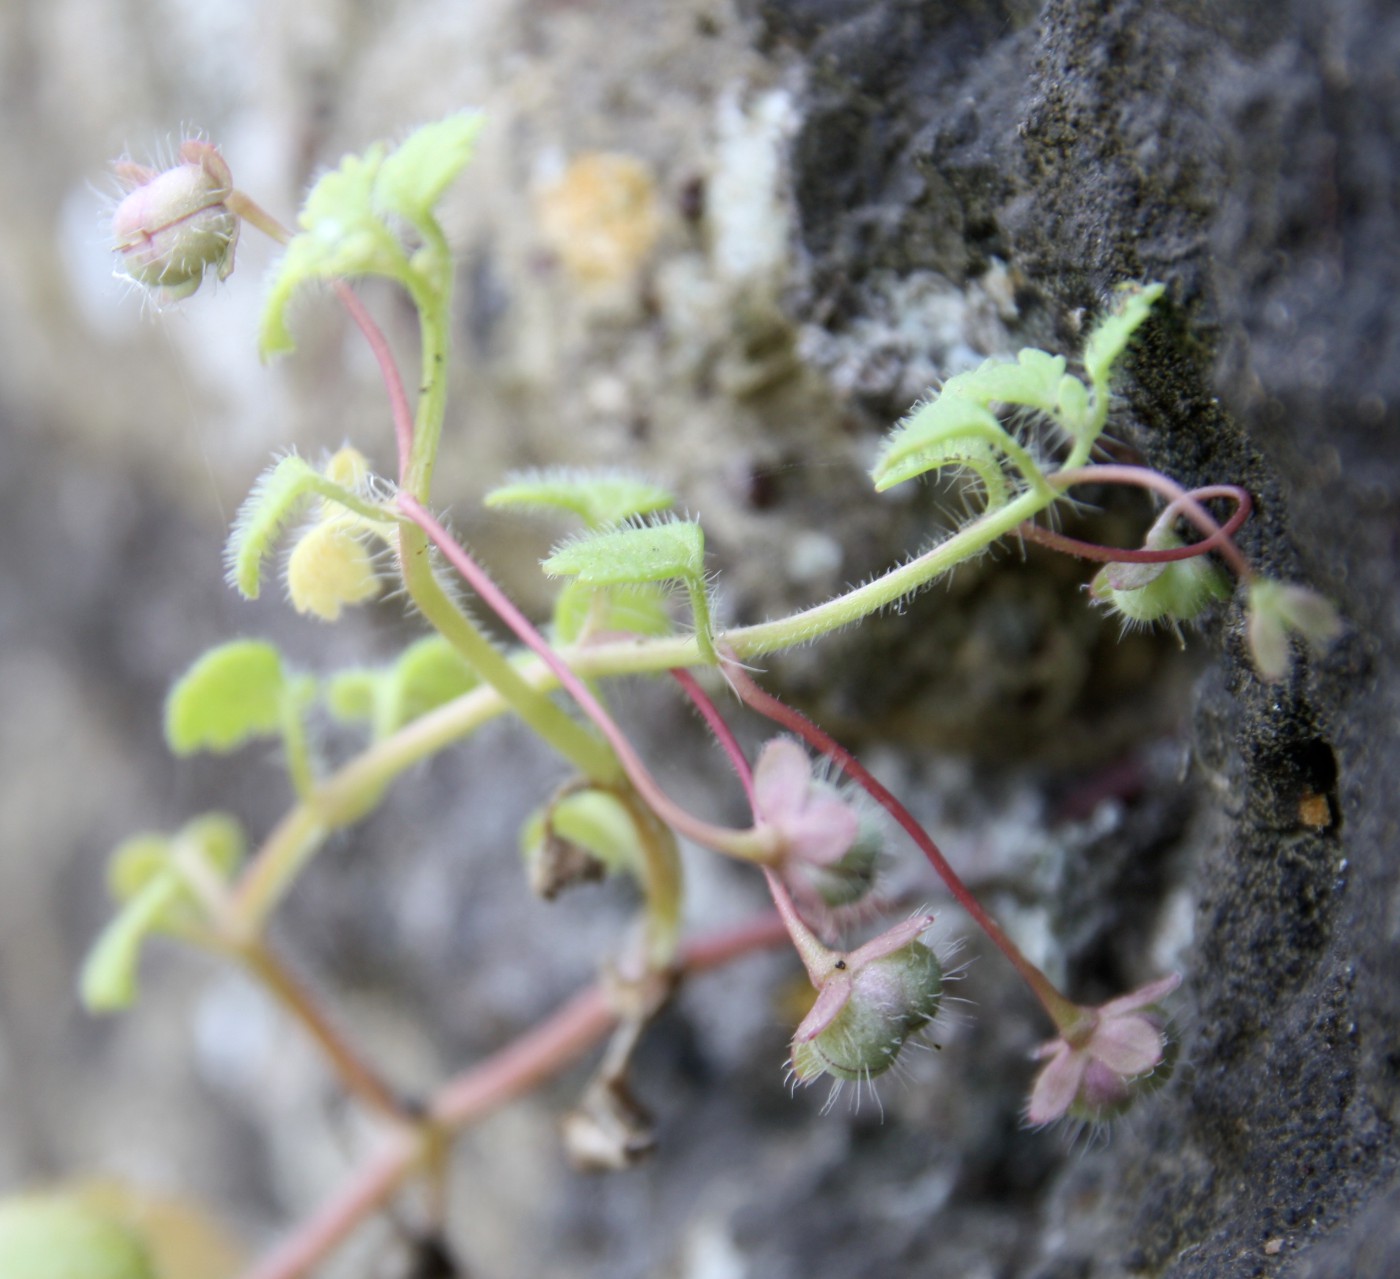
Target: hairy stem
{"points": [[749, 845]]}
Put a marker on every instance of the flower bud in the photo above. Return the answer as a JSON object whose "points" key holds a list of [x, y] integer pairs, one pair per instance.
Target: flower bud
{"points": [[175, 224], [1276, 610], [1174, 591], [871, 1001], [330, 567]]}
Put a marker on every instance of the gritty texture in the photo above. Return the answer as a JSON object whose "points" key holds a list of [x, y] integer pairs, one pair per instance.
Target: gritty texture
{"points": [[826, 205]]}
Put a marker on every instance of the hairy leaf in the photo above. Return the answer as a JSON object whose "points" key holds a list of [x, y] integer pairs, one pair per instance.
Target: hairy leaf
{"points": [[637, 608], [948, 431], [1112, 333], [598, 498], [1033, 380], [664, 550], [342, 235], [276, 497], [414, 176]]}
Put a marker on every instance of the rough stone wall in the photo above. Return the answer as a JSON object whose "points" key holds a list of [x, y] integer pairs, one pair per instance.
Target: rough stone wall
{"points": [[838, 202]]}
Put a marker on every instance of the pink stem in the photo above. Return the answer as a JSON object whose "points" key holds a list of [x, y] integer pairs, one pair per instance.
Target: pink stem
{"points": [[259, 217], [388, 370], [1123, 555], [1146, 478], [720, 838], [1061, 1010], [723, 733], [542, 1052]]}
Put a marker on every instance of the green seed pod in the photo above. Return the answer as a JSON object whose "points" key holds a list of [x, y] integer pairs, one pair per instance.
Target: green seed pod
{"points": [[864, 1013]]}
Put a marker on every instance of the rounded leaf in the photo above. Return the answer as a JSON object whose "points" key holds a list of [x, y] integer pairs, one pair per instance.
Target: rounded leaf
{"points": [[231, 695]]}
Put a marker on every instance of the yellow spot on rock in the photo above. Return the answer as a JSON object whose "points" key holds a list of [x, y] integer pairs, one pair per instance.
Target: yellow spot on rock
{"points": [[601, 217]]}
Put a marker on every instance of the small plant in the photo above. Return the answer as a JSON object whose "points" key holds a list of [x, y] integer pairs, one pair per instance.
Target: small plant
{"points": [[354, 535]]}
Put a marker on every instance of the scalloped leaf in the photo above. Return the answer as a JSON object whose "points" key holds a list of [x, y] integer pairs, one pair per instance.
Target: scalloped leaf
{"points": [[277, 495], [1032, 380], [140, 860], [234, 693], [413, 178], [947, 431], [342, 235], [660, 551], [599, 498], [637, 608], [1112, 333]]}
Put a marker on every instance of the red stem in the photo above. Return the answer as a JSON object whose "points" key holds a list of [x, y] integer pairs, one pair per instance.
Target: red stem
{"points": [[388, 369], [1145, 478], [1122, 555], [720, 838], [544, 1051], [1061, 1010], [718, 726]]}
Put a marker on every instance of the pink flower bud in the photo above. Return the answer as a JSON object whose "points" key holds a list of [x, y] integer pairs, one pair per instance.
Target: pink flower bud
{"points": [[175, 224]]}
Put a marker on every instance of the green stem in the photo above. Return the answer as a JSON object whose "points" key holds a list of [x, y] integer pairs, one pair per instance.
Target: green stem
{"points": [[432, 295], [295, 747], [551, 722], [767, 637]]}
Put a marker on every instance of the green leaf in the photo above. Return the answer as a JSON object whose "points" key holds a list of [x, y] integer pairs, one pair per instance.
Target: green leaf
{"points": [[342, 235], [146, 875], [57, 1237], [135, 862], [108, 981], [1073, 410], [352, 696], [1111, 335], [637, 608], [1033, 380], [234, 693], [416, 174], [217, 839], [430, 673], [947, 431], [277, 495], [598, 498], [599, 822], [659, 551]]}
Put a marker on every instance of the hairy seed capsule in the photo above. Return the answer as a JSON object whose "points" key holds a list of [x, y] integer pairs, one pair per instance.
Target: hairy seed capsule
{"points": [[890, 999]]}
